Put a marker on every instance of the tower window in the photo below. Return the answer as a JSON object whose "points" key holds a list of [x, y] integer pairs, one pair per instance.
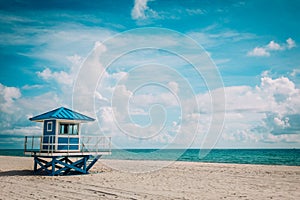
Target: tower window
{"points": [[70, 129], [49, 126]]}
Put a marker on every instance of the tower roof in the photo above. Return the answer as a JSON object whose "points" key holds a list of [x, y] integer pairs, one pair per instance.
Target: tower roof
{"points": [[61, 113]]}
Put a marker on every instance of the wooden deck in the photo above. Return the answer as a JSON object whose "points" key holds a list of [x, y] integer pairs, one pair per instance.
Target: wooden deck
{"points": [[65, 153]]}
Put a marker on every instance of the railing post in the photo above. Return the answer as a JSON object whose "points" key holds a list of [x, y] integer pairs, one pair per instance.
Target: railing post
{"points": [[109, 144], [81, 143], [53, 144], [41, 141], [98, 140], [48, 144], [25, 144], [68, 143], [32, 142]]}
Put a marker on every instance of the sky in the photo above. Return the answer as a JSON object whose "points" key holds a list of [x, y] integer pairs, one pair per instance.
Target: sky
{"points": [[154, 74]]}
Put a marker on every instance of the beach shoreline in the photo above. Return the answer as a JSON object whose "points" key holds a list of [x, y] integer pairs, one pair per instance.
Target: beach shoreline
{"points": [[134, 179]]}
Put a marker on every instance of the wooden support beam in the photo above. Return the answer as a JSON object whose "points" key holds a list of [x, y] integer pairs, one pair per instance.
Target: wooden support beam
{"points": [[71, 166], [93, 162], [63, 165], [66, 169], [43, 165]]}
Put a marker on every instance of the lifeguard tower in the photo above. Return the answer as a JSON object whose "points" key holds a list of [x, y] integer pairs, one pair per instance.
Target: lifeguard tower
{"points": [[62, 150]]}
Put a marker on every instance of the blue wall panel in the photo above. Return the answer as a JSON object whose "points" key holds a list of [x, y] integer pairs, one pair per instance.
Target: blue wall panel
{"points": [[49, 136], [66, 140], [48, 147], [65, 147], [52, 132], [63, 141]]}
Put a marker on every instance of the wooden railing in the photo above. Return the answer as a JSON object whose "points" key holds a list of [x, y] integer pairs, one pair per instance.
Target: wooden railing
{"points": [[49, 144]]}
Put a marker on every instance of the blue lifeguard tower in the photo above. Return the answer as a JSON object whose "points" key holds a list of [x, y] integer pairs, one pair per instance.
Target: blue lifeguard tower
{"points": [[54, 152]]}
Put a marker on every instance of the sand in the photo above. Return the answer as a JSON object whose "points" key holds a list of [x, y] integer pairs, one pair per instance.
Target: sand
{"points": [[178, 180]]}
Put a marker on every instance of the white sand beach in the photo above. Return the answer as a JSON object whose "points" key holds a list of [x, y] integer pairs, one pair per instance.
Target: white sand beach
{"points": [[180, 180]]}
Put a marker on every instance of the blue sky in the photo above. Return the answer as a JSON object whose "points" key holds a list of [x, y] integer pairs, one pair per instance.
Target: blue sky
{"points": [[254, 44]]}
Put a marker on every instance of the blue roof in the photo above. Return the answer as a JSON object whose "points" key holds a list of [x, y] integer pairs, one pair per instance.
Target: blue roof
{"points": [[62, 113]]}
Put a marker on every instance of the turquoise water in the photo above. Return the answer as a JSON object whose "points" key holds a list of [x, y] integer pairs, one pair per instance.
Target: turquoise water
{"points": [[239, 156]]}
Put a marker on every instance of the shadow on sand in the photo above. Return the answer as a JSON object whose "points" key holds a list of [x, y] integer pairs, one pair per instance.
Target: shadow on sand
{"points": [[16, 173]]}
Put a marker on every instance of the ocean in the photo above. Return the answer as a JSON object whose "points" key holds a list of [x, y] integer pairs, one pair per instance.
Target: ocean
{"points": [[239, 156]]}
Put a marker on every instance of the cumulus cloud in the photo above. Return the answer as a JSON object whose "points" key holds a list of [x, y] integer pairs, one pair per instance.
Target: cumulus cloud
{"points": [[259, 51], [274, 46], [291, 43], [173, 86], [295, 72], [266, 113], [282, 122], [61, 77], [75, 60], [262, 114], [141, 10], [15, 114], [7, 97], [289, 139], [266, 50]]}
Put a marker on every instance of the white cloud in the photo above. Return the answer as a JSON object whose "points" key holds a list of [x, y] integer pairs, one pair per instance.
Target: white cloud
{"points": [[195, 11], [7, 97], [263, 114], [144, 100], [60, 42], [173, 86], [208, 39], [29, 87], [61, 77], [16, 122], [272, 46], [100, 97], [265, 73], [26, 130], [291, 43], [295, 72], [75, 60], [282, 122], [253, 113], [247, 106], [241, 136], [260, 114], [273, 139], [258, 51], [140, 10]]}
